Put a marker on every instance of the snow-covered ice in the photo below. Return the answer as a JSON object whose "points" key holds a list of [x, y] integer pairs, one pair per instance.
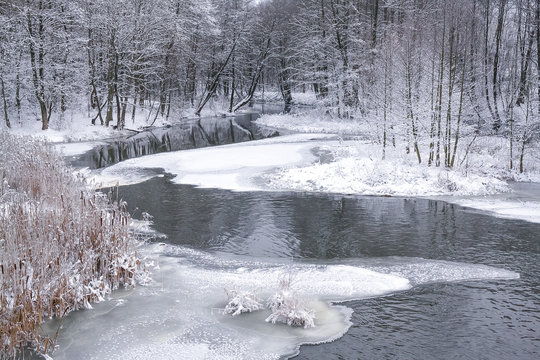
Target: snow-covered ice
{"points": [[233, 167], [180, 315], [76, 148]]}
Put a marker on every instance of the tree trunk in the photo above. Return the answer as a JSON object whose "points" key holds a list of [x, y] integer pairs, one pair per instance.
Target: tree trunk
{"points": [[451, 80], [440, 90], [524, 139], [433, 114], [110, 81], [410, 113], [6, 117], [374, 24], [526, 58], [37, 64], [119, 123], [538, 53], [459, 112], [18, 88], [498, 32], [284, 82], [486, 61], [213, 86], [233, 85]]}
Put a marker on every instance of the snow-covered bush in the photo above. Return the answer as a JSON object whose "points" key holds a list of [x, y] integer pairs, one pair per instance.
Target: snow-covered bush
{"points": [[287, 308], [241, 302], [62, 245]]}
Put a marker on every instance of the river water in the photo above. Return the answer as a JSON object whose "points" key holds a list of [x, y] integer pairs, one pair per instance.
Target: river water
{"points": [[389, 278]]}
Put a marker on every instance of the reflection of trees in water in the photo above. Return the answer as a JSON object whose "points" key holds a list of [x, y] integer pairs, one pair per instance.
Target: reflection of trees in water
{"points": [[202, 133]]}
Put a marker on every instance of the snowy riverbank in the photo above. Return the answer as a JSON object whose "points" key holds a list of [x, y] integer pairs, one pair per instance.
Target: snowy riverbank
{"points": [[319, 160]]}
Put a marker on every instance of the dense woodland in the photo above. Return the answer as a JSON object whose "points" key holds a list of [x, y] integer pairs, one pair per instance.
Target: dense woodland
{"points": [[429, 66]]}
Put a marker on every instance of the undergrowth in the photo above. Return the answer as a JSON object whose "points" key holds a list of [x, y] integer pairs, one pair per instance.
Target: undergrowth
{"points": [[62, 245]]}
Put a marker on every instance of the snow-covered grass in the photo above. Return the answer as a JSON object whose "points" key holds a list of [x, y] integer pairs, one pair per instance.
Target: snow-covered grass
{"points": [[314, 121], [481, 166], [358, 169], [62, 245], [288, 308], [285, 304], [242, 302]]}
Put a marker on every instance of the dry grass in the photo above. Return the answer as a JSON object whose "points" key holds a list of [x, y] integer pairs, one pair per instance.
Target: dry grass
{"points": [[62, 245]]}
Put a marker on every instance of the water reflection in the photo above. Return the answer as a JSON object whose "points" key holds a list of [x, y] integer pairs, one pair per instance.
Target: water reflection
{"points": [[195, 134], [326, 226]]}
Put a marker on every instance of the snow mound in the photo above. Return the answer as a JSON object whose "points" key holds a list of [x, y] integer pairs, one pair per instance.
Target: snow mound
{"points": [[314, 123], [288, 308], [367, 176], [232, 167]]}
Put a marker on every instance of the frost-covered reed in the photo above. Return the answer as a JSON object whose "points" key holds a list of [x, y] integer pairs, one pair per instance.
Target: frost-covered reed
{"points": [[288, 308], [241, 302], [62, 245]]}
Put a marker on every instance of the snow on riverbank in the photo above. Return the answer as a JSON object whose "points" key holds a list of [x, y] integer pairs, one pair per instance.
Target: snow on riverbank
{"points": [[325, 163], [358, 170], [234, 167], [75, 134], [289, 163], [479, 179], [314, 122]]}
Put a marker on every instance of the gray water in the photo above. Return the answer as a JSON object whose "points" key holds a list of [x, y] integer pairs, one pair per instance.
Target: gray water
{"points": [[492, 319]]}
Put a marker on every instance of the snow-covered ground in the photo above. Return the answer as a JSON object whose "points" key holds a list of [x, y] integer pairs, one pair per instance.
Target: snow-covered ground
{"points": [[236, 167], [314, 122], [298, 98], [76, 126]]}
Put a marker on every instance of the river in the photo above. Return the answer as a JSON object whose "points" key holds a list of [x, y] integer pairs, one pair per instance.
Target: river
{"points": [[389, 278]]}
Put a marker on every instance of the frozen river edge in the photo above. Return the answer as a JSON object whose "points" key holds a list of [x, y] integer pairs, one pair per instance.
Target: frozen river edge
{"points": [[296, 163]]}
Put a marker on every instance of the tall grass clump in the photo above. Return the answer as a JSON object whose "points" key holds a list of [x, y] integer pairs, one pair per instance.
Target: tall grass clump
{"points": [[62, 245]]}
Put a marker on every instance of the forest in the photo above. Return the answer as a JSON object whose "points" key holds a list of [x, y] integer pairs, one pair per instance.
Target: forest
{"points": [[404, 156], [424, 66]]}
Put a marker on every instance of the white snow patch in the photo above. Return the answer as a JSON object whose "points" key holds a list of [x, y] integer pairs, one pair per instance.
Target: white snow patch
{"points": [[509, 209], [76, 148], [368, 176], [288, 163], [313, 122], [233, 167]]}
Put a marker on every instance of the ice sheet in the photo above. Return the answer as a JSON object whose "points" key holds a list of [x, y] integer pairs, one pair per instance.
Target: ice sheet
{"points": [[75, 148], [180, 314], [509, 209], [233, 167]]}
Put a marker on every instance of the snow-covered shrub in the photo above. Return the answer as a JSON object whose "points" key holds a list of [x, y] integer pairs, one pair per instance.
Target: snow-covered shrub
{"points": [[241, 302], [62, 245], [287, 308]]}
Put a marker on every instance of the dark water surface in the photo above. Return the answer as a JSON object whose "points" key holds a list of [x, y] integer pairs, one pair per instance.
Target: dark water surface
{"points": [[181, 136], [469, 320]]}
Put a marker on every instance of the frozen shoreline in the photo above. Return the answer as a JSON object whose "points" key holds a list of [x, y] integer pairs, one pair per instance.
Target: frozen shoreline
{"points": [[290, 163], [294, 163]]}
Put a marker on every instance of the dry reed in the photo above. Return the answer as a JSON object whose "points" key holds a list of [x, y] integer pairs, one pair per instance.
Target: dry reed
{"points": [[62, 245]]}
